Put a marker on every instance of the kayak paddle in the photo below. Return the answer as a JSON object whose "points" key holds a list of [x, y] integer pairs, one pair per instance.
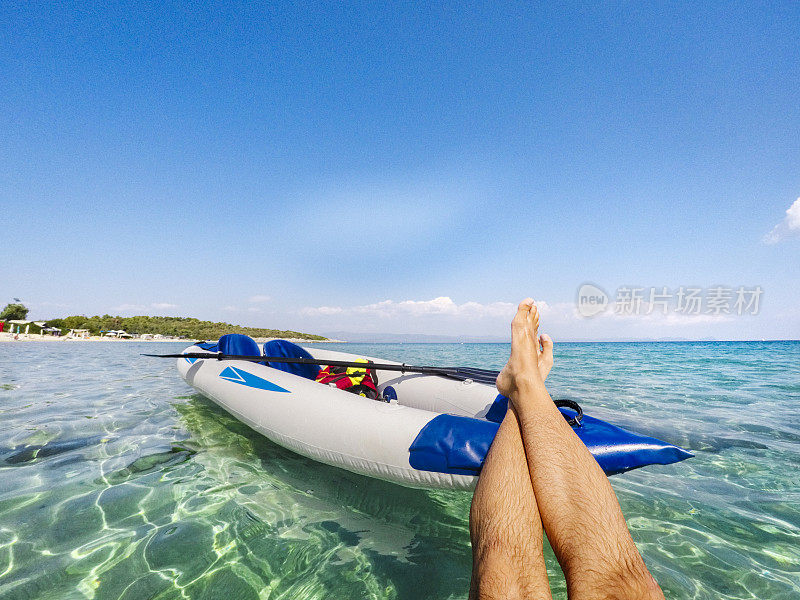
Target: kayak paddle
{"points": [[460, 373]]}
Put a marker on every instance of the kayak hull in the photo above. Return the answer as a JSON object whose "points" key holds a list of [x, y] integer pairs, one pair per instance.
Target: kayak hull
{"points": [[434, 436]]}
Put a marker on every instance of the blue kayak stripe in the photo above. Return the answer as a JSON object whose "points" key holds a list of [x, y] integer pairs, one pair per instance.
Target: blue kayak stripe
{"points": [[458, 445], [242, 377]]}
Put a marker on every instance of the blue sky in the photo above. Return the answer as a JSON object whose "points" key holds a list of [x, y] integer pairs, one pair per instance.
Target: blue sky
{"points": [[331, 167]]}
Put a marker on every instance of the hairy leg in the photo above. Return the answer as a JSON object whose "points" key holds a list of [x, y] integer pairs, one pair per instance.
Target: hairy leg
{"points": [[504, 522], [578, 507]]}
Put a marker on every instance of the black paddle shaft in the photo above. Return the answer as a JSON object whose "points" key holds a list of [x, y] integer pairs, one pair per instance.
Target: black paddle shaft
{"points": [[460, 373]]}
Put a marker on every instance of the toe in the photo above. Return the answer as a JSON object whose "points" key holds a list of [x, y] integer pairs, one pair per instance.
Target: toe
{"points": [[523, 313], [547, 349], [534, 322], [525, 307]]}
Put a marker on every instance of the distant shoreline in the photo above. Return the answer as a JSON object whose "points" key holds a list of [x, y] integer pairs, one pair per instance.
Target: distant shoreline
{"points": [[6, 337]]}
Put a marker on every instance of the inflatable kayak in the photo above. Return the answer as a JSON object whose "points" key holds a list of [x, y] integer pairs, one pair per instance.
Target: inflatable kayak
{"points": [[427, 431]]}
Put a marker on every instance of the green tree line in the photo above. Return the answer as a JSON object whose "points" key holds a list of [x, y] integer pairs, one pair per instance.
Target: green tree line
{"points": [[14, 311], [170, 326]]}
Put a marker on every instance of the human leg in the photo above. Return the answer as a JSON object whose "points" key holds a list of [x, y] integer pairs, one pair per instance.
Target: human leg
{"points": [[577, 505], [505, 526]]}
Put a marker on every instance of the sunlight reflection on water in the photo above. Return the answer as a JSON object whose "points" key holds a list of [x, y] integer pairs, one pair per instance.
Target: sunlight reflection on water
{"points": [[116, 481]]}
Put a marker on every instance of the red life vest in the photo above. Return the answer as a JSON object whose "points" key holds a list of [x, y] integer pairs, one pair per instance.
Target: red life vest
{"points": [[353, 379]]}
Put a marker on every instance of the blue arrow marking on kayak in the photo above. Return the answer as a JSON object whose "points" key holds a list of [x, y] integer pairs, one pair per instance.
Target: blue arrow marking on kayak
{"points": [[241, 377], [191, 360]]}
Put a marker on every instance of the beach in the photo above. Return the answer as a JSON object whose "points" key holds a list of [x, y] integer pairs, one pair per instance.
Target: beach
{"points": [[118, 481], [8, 337]]}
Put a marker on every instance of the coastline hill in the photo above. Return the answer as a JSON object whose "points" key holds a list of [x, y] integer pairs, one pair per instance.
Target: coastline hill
{"points": [[171, 327]]}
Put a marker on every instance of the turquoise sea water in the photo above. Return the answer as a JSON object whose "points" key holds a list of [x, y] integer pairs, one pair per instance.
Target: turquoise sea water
{"points": [[117, 481]]}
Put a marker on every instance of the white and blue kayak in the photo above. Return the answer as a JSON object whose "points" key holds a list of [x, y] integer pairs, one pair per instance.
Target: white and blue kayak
{"points": [[433, 432]]}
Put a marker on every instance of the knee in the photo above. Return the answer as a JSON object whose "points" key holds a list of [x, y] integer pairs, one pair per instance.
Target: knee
{"points": [[494, 579], [627, 582], [639, 586]]}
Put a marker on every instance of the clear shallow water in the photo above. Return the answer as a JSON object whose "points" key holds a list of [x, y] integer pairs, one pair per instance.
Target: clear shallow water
{"points": [[116, 481]]}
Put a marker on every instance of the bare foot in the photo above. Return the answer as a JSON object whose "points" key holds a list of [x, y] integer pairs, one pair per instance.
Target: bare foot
{"points": [[545, 355], [527, 362]]}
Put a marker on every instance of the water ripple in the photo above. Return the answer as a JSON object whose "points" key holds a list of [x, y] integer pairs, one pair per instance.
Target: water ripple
{"points": [[116, 481]]}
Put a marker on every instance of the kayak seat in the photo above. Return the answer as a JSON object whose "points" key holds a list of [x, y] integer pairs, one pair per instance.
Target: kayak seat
{"points": [[210, 346], [238, 344], [289, 350]]}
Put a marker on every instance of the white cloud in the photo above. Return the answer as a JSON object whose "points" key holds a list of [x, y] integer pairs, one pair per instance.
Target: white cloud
{"points": [[143, 307], [313, 311], [258, 299], [444, 316], [128, 307], [790, 225], [163, 305], [442, 305], [230, 308]]}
